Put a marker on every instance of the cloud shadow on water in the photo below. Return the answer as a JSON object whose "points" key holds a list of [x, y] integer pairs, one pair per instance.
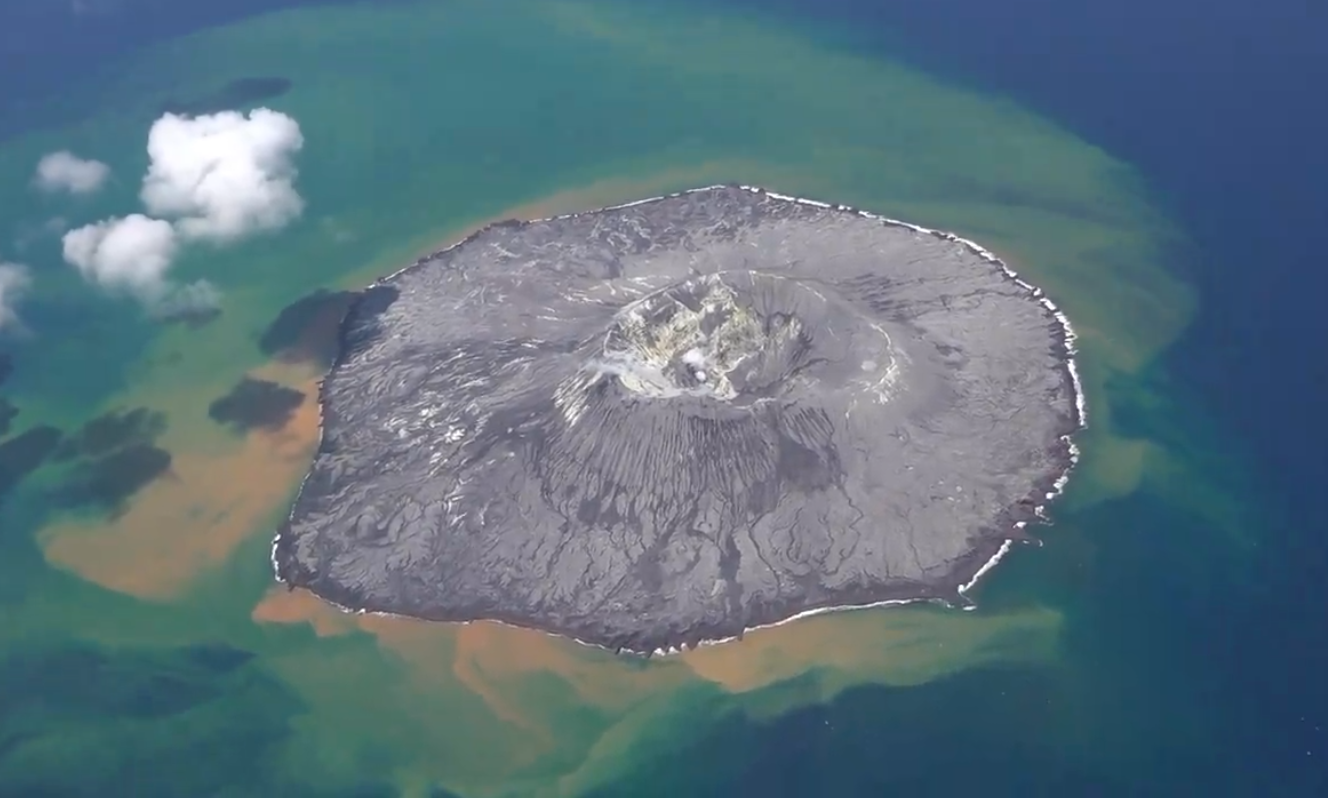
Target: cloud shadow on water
{"points": [[255, 403], [192, 317], [239, 93], [7, 413], [25, 453], [108, 482], [109, 459], [7, 409], [306, 331], [113, 431], [143, 714]]}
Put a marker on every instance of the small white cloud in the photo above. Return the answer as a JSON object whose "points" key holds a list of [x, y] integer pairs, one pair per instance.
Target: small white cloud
{"points": [[129, 255], [218, 178], [188, 301], [223, 176], [13, 283], [65, 171]]}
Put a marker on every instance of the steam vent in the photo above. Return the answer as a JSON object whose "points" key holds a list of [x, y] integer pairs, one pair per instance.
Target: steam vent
{"points": [[664, 423]]}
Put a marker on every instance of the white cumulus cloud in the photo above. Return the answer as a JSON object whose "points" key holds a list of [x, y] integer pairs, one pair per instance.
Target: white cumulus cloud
{"points": [[223, 176], [218, 178], [130, 255], [13, 282], [65, 171]]}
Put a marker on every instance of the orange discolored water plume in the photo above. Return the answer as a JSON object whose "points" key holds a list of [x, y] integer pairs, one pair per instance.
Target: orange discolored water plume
{"points": [[488, 658], [192, 519]]}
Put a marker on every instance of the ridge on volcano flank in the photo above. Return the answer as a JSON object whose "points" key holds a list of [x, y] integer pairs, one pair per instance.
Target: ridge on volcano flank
{"points": [[663, 423]]}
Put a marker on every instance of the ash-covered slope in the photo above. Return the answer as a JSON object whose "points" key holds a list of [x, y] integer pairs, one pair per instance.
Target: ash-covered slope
{"points": [[662, 423]]}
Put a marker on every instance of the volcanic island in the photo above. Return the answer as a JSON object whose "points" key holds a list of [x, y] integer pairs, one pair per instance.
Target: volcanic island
{"points": [[660, 424]]}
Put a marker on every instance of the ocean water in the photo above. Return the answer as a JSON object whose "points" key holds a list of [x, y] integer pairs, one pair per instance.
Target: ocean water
{"points": [[1163, 640]]}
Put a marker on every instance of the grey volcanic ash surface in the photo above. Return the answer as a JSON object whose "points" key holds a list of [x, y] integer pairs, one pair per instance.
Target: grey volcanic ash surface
{"points": [[663, 423]]}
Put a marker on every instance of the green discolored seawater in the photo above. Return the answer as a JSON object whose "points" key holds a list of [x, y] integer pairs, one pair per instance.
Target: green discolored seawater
{"points": [[156, 656]]}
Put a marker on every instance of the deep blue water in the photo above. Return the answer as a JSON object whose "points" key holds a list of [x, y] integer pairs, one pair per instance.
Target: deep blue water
{"points": [[1224, 107], [1209, 684]]}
